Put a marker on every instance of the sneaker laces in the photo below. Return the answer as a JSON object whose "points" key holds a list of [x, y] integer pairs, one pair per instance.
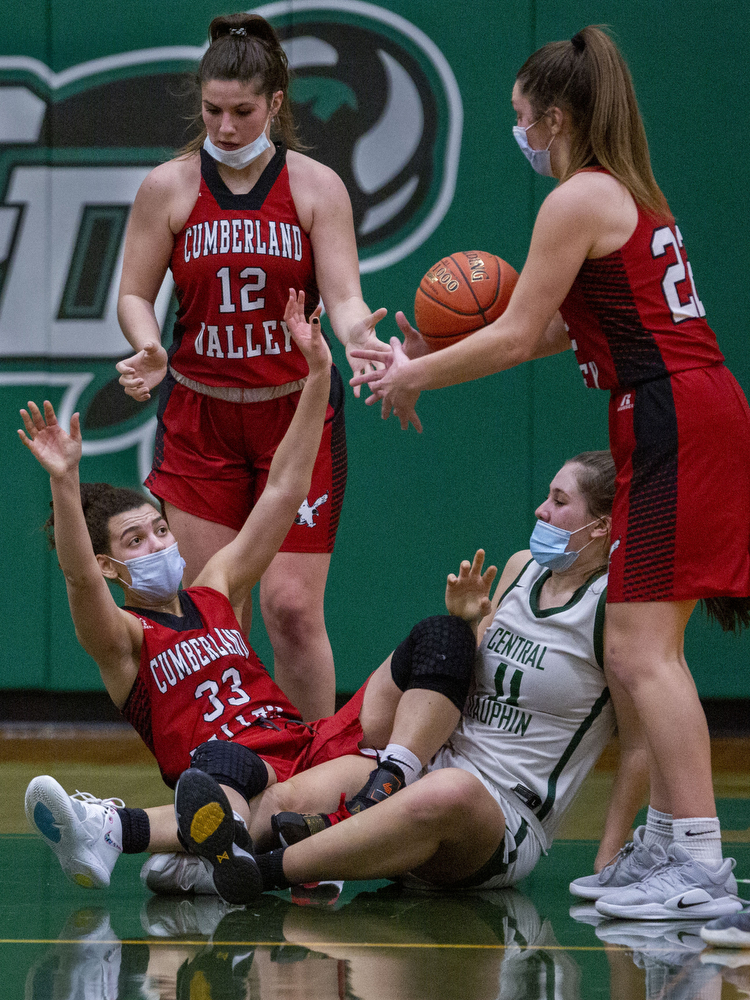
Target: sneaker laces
{"points": [[92, 820], [89, 799], [666, 874], [620, 856]]}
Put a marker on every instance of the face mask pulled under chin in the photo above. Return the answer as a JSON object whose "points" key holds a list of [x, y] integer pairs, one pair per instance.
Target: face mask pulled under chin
{"points": [[237, 159], [548, 546], [540, 159], [156, 576]]}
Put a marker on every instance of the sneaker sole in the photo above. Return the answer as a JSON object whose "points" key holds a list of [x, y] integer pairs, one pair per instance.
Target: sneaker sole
{"points": [[50, 813], [591, 893], [206, 824], [658, 911]]}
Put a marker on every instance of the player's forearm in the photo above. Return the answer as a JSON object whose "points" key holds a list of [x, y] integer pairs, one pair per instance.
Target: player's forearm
{"points": [[72, 542], [344, 316], [138, 321], [629, 792]]}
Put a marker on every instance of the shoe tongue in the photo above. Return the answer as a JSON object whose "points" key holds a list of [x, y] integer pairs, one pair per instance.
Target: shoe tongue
{"points": [[79, 807], [677, 852], [658, 852]]}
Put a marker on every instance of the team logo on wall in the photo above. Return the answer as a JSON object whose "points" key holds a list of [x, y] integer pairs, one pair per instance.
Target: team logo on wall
{"points": [[373, 96]]}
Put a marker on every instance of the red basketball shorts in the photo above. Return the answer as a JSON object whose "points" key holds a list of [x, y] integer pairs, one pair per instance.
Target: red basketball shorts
{"points": [[211, 459], [681, 517], [297, 747]]}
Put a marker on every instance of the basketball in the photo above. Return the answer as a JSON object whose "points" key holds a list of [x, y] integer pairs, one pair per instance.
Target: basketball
{"points": [[461, 294]]}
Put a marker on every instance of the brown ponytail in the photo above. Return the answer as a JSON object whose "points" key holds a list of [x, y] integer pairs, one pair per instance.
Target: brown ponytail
{"points": [[588, 77], [245, 47]]}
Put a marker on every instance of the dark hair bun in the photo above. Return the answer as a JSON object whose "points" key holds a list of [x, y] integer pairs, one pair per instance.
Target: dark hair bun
{"points": [[241, 26]]}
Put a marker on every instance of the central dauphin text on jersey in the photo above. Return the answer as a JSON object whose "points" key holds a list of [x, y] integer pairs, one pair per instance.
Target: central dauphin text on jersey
{"points": [[501, 710]]}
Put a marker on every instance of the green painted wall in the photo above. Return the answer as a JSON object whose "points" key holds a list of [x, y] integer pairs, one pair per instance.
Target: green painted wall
{"points": [[415, 505]]}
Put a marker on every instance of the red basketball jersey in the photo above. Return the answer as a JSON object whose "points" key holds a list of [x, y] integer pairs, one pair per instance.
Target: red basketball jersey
{"points": [[635, 315], [233, 265], [198, 679]]}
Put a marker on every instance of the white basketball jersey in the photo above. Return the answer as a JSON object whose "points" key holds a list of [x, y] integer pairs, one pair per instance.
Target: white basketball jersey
{"points": [[539, 712]]}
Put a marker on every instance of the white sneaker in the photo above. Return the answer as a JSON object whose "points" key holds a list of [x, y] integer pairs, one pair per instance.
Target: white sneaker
{"points": [[177, 874], [679, 889], [631, 864], [84, 832]]}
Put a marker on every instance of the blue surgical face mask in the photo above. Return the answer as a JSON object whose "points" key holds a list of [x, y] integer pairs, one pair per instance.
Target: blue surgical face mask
{"points": [[156, 576], [548, 545], [237, 159], [540, 159]]}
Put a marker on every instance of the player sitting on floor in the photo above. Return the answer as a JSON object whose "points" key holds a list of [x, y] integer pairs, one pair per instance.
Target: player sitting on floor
{"points": [[179, 668], [539, 714]]}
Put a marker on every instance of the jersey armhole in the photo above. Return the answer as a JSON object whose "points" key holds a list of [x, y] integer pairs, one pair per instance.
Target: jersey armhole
{"points": [[515, 582]]}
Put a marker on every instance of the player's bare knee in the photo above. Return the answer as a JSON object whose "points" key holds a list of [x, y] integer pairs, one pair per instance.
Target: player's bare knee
{"points": [[443, 797], [291, 619]]}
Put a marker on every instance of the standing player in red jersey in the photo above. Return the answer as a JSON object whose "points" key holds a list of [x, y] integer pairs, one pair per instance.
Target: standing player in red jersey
{"points": [[607, 272], [239, 220]]}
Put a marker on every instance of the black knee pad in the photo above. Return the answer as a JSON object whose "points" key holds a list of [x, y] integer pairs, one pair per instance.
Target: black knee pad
{"points": [[438, 655], [232, 764]]}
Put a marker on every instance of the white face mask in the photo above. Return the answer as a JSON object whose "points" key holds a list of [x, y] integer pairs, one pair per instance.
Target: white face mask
{"points": [[237, 159], [156, 576], [539, 159]]}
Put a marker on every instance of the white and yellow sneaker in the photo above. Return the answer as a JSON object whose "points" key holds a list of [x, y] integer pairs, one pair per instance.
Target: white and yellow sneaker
{"points": [[84, 832]]}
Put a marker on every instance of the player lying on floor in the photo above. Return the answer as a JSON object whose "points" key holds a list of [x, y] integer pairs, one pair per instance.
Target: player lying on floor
{"points": [[179, 668]]}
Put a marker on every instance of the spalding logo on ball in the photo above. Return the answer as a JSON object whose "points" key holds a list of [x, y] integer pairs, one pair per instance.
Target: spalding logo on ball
{"points": [[461, 294]]}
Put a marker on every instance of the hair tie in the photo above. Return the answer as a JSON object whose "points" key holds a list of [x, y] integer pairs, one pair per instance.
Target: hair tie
{"points": [[237, 31], [578, 42]]}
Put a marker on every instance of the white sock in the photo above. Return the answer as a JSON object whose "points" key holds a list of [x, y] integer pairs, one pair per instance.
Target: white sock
{"points": [[409, 763], [701, 837], [658, 829]]}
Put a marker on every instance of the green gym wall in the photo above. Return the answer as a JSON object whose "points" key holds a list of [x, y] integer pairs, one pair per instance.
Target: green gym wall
{"points": [[415, 504]]}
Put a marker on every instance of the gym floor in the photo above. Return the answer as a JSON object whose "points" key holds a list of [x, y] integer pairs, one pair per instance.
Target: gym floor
{"points": [[375, 942]]}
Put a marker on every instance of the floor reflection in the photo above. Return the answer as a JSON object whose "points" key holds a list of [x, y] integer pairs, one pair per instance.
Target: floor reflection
{"points": [[382, 944]]}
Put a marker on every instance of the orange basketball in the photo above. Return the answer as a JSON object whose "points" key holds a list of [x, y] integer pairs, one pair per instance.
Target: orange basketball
{"points": [[461, 294]]}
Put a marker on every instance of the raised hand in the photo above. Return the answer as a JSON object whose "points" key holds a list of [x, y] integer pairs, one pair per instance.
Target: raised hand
{"points": [[307, 336], [56, 451], [362, 338], [468, 594], [143, 371]]}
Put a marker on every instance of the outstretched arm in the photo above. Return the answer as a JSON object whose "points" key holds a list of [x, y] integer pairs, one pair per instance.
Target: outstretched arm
{"points": [[109, 635], [148, 248], [236, 568], [571, 220], [336, 262]]}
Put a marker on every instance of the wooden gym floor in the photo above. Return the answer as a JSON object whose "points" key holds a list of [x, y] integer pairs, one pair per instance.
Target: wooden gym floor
{"points": [[375, 942]]}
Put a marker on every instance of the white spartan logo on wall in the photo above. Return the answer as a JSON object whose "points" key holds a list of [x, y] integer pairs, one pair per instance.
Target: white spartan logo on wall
{"points": [[306, 513]]}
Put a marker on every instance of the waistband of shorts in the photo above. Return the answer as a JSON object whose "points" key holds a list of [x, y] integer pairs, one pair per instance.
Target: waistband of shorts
{"points": [[239, 394], [618, 390]]}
